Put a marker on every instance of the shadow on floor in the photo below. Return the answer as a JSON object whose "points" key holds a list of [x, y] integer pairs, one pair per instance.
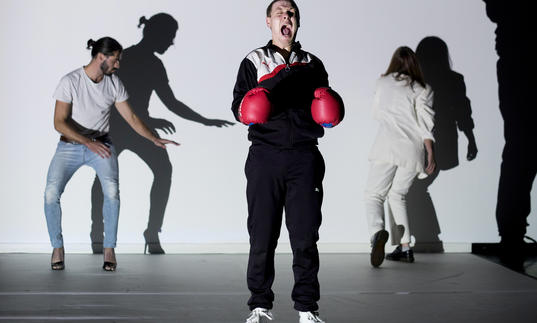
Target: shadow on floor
{"points": [[491, 252], [530, 265]]}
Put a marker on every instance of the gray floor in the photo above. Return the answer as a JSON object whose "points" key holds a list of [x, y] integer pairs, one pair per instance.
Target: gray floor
{"points": [[211, 288]]}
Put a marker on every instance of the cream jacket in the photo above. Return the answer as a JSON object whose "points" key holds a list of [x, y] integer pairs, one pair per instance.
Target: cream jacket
{"points": [[406, 119]]}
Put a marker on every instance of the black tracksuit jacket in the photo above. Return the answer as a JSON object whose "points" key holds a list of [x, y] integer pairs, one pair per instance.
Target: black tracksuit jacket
{"points": [[291, 85]]}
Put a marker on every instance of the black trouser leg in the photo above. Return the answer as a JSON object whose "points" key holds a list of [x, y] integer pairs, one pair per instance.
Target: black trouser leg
{"points": [[514, 192], [519, 164], [304, 197], [265, 194]]}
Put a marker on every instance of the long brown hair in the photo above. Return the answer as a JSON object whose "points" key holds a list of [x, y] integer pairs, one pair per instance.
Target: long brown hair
{"points": [[405, 62]]}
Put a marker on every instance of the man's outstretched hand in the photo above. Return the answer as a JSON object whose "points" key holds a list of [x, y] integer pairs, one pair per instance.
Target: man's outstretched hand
{"points": [[163, 142]]}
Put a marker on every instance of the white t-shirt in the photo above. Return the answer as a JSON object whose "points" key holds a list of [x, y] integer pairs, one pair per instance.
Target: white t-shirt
{"points": [[406, 119], [91, 102]]}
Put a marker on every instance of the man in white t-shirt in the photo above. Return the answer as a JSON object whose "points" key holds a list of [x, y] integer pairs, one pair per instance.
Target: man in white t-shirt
{"points": [[84, 99]]}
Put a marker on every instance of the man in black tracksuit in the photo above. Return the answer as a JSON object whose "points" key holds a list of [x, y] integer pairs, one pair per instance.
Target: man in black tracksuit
{"points": [[284, 168]]}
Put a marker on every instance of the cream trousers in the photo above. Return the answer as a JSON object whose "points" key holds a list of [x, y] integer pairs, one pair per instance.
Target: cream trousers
{"points": [[390, 183]]}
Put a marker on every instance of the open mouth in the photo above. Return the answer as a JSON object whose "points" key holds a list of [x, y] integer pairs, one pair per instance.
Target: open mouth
{"points": [[286, 30]]}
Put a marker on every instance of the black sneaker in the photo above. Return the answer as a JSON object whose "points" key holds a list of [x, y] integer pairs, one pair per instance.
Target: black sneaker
{"points": [[399, 255], [377, 247]]}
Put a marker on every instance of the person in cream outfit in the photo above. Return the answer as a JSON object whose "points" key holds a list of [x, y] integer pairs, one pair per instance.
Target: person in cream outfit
{"points": [[403, 149]]}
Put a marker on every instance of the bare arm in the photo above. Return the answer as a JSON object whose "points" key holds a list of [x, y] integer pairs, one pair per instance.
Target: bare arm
{"points": [[431, 164], [62, 113], [139, 126]]}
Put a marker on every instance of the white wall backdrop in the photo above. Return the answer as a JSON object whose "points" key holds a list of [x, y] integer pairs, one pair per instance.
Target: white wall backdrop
{"points": [[43, 40]]}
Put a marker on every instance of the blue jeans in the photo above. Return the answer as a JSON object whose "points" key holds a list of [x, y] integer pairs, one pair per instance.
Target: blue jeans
{"points": [[69, 157]]}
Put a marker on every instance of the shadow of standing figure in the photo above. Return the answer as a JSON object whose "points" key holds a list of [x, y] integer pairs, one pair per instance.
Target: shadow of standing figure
{"points": [[452, 110], [142, 73]]}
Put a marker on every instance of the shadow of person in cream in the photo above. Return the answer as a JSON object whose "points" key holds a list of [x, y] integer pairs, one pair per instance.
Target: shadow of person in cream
{"points": [[143, 73], [453, 113]]}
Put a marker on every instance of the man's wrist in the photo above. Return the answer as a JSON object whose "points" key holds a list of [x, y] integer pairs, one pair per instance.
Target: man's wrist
{"points": [[86, 141]]}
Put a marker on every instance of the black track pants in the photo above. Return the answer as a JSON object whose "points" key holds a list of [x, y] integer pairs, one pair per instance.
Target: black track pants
{"points": [[278, 179]]}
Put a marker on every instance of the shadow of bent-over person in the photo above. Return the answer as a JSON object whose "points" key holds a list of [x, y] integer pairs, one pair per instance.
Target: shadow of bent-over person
{"points": [[452, 111], [143, 73]]}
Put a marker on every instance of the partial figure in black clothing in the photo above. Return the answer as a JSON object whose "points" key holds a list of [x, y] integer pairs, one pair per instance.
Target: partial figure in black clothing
{"points": [[276, 85], [514, 36], [144, 73]]}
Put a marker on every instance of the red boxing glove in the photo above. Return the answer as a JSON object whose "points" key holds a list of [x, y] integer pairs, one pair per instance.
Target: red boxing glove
{"points": [[327, 107], [255, 107]]}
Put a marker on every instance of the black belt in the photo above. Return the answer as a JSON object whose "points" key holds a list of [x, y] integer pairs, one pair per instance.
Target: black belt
{"points": [[104, 139], [65, 139]]}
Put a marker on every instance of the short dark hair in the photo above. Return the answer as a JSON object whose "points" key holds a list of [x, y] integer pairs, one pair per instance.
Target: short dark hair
{"points": [[293, 4], [105, 45], [405, 62]]}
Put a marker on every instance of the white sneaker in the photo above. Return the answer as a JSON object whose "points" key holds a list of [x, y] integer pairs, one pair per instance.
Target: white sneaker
{"points": [[309, 317], [260, 315]]}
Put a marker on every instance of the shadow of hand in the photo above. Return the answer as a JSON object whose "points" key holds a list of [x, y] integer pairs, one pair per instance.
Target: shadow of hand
{"points": [[218, 123], [472, 151], [161, 124]]}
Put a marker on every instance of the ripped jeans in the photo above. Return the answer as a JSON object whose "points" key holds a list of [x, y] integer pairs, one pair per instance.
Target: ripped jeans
{"points": [[69, 157]]}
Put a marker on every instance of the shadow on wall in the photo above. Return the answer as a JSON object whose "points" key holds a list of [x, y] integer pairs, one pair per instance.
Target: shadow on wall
{"points": [[452, 111], [142, 73]]}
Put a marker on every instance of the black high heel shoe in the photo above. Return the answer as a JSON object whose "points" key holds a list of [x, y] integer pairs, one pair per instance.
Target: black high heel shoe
{"points": [[109, 266], [152, 244], [58, 265]]}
